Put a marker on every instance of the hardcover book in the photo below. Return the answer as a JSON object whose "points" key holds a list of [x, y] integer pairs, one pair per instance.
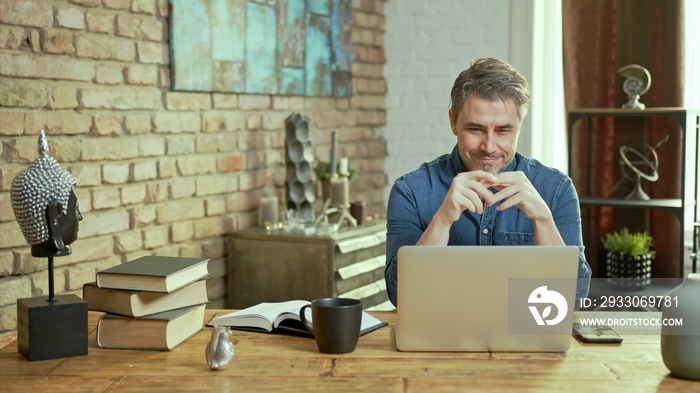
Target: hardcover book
{"points": [[139, 303], [281, 317], [154, 273], [162, 331]]}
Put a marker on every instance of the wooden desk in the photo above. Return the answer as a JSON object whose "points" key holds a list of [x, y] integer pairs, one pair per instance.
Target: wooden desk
{"points": [[278, 363]]}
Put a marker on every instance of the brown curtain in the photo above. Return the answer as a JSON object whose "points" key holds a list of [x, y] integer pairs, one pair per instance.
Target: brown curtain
{"points": [[599, 37]]}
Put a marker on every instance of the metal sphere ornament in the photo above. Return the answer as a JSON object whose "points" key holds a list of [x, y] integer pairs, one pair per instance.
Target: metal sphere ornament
{"points": [[637, 165], [637, 82]]}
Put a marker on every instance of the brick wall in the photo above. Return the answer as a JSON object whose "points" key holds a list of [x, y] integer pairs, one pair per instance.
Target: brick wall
{"points": [[158, 171], [427, 47]]}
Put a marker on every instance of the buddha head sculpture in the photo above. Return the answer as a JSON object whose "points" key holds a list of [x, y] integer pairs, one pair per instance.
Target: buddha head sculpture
{"points": [[45, 205]]}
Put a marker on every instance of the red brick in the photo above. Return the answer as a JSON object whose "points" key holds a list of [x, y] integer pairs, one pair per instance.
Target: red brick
{"points": [[12, 235], [87, 3], [162, 7], [58, 41], [225, 101], [65, 122], [167, 168], [104, 47], [156, 192], [21, 93], [215, 185], [139, 27], [37, 13], [257, 102], [152, 52], [6, 258], [109, 74], [209, 227], [187, 101], [222, 121], [207, 143], [151, 146], [144, 170], [274, 120], [133, 193], [64, 97], [11, 123], [136, 74], [30, 66], [128, 241], [182, 187], [322, 103], [117, 4], [111, 98], [215, 206], [182, 231], [143, 215], [103, 198], [138, 124], [155, 236], [144, 6], [107, 125], [100, 22], [180, 210], [230, 163], [107, 148], [86, 174], [11, 37], [115, 173], [71, 17], [177, 145], [177, 122], [198, 165]]}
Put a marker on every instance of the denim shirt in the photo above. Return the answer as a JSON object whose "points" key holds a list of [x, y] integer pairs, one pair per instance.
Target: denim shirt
{"points": [[417, 196]]}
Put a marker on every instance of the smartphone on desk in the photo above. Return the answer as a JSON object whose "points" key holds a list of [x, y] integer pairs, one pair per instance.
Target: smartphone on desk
{"points": [[596, 334]]}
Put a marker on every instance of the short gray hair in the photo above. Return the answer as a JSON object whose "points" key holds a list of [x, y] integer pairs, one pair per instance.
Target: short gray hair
{"points": [[491, 79]]}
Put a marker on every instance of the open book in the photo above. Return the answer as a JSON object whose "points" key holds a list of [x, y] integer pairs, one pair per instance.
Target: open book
{"points": [[284, 316]]}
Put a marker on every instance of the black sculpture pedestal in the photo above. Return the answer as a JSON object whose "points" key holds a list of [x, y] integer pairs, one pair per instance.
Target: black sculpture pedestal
{"points": [[52, 329]]}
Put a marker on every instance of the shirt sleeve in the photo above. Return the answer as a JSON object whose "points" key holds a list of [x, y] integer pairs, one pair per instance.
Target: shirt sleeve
{"points": [[403, 228], [566, 212]]}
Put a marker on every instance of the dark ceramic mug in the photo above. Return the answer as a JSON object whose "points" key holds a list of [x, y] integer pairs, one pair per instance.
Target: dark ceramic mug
{"points": [[336, 323]]}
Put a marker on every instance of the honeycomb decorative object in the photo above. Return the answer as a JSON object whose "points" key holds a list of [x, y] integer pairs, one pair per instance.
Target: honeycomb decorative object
{"points": [[300, 187]]}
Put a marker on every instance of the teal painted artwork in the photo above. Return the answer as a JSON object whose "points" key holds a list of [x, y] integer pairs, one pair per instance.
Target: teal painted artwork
{"points": [[282, 47]]}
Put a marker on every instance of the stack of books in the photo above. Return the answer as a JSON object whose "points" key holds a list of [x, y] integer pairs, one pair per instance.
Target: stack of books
{"points": [[153, 302]]}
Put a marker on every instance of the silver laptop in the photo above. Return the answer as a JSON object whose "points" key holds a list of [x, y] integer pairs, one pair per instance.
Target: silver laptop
{"points": [[486, 298]]}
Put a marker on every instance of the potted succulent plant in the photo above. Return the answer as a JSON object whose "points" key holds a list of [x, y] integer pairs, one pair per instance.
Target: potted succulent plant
{"points": [[629, 259]]}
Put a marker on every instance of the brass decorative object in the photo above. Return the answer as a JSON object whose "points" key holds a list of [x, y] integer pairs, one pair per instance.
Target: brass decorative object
{"points": [[637, 82]]}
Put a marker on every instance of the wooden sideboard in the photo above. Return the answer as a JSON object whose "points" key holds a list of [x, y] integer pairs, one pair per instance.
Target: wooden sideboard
{"points": [[274, 266]]}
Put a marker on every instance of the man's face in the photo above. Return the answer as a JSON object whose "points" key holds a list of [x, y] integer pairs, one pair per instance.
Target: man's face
{"points": [[487, 133]]}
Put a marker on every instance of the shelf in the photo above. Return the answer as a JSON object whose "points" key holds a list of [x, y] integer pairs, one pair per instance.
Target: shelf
{"points": [[633, 204], [689, 139], [630, 112]]}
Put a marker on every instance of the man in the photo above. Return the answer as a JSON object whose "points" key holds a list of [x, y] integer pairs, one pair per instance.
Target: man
{"points": [[484, 192]]}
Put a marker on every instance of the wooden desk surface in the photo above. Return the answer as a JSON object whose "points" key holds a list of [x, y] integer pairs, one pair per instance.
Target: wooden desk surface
{"points": [[280, 363]]}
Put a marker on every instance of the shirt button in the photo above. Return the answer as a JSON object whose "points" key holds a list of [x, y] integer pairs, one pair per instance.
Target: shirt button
{"points": [[486, 231]]}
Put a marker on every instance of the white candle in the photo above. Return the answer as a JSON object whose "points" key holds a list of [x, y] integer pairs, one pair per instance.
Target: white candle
{"points": [[340, 191], [343, 171], [269, 211], [334, 142]]}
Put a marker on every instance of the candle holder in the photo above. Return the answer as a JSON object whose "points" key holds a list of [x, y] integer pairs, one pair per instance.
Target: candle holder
{"points": [[338, 203]]}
